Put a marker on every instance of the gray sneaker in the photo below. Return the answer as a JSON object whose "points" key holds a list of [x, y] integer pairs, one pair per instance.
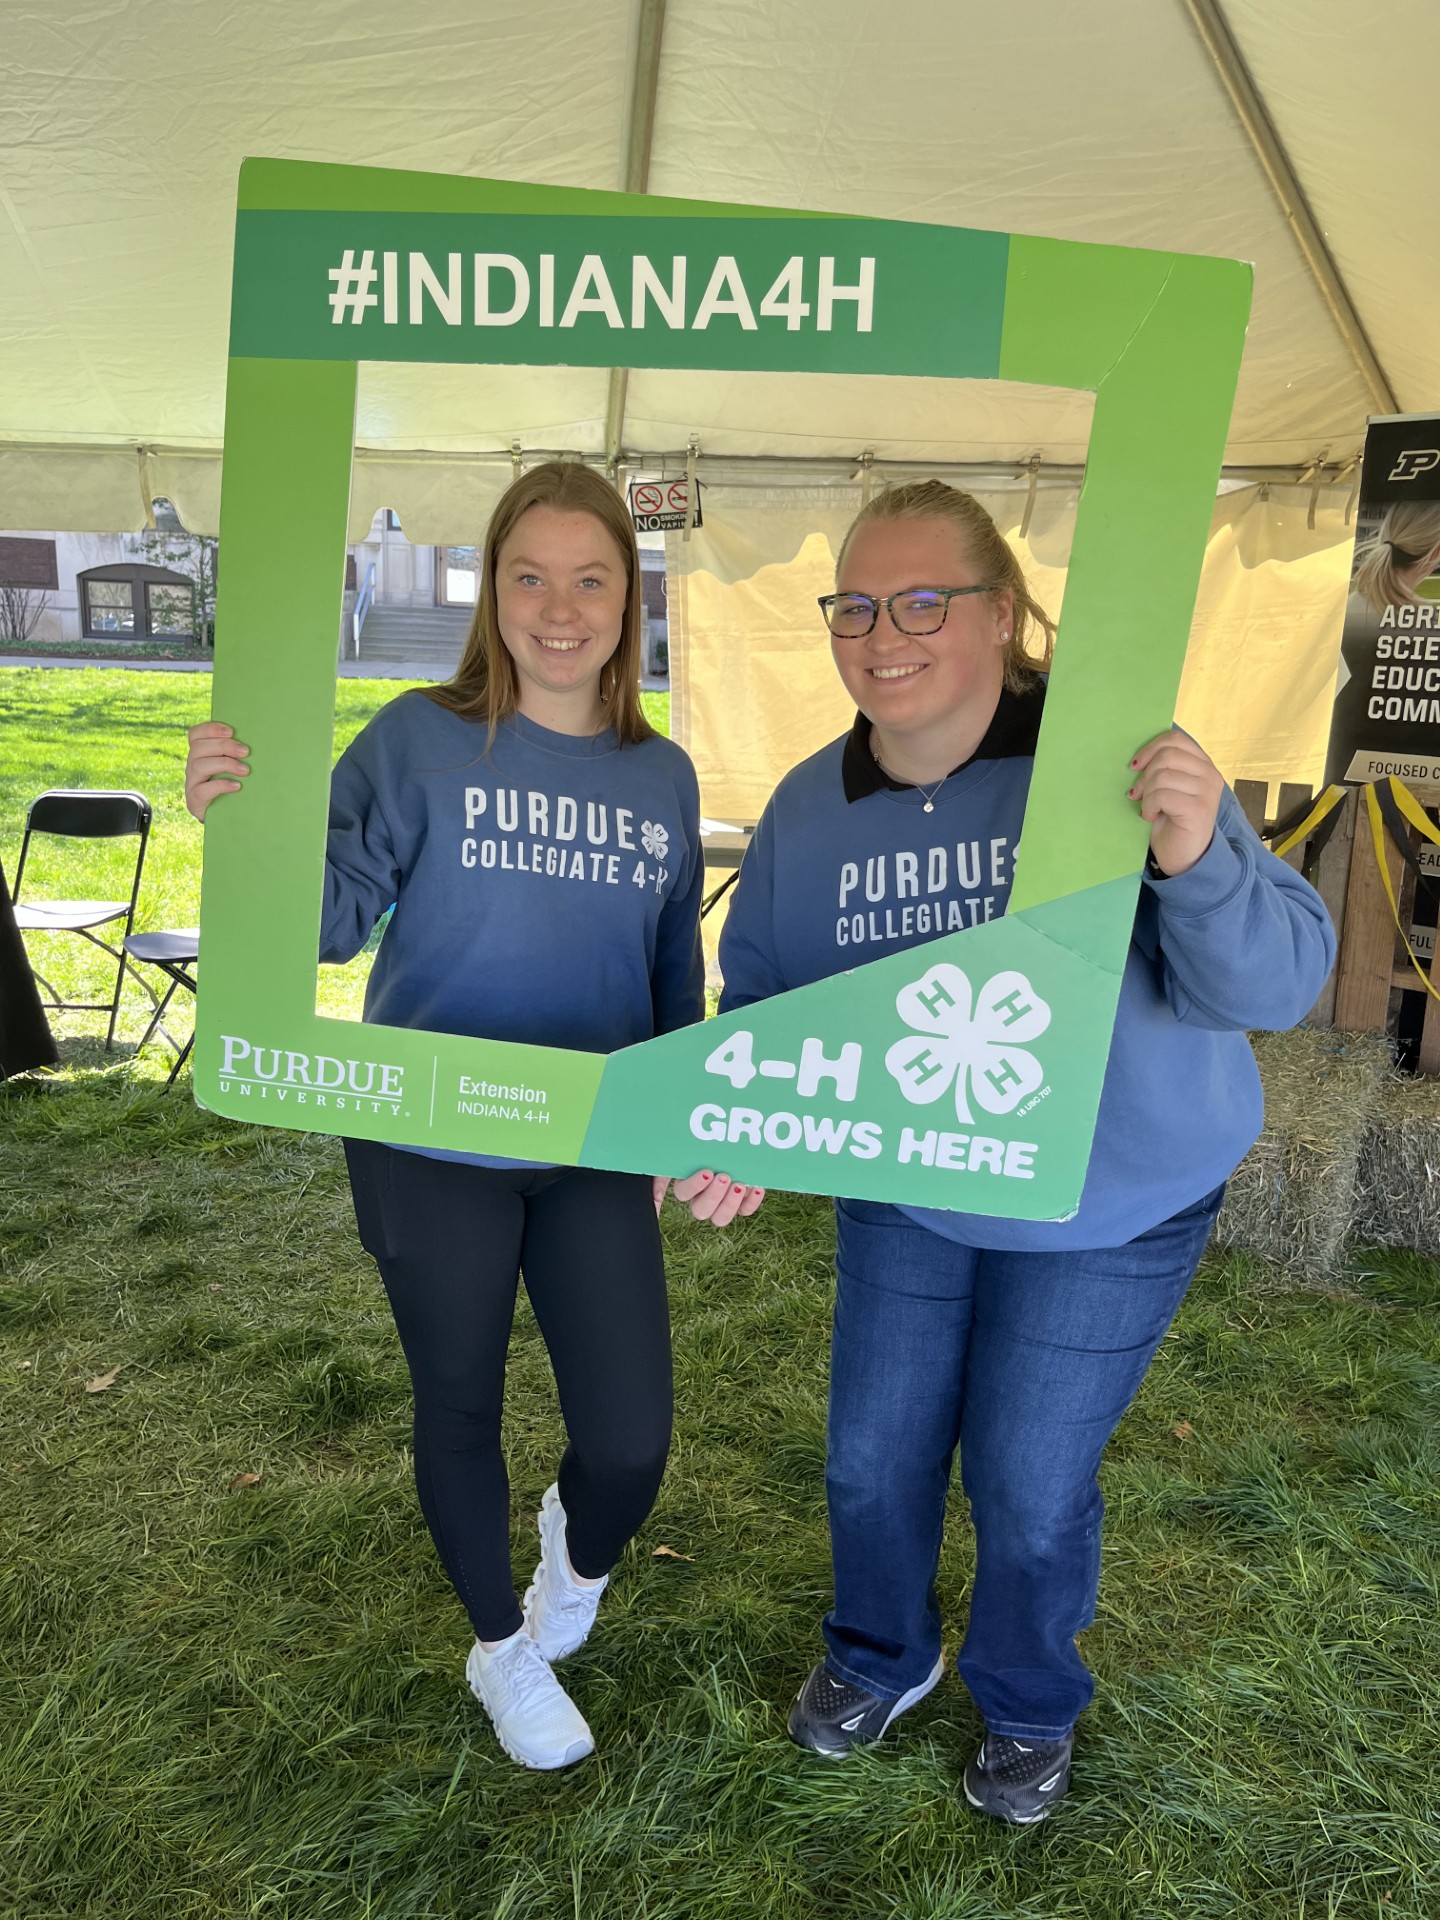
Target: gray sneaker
{"points": [[831, 1715], [1018, 1780]]}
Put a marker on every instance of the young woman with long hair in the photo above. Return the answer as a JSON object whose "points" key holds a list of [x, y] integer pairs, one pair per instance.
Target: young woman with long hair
{"points": [[540, 844]]}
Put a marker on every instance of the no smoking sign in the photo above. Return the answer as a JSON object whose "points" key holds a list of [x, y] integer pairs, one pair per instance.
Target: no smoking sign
{"points": [[659, 506]]}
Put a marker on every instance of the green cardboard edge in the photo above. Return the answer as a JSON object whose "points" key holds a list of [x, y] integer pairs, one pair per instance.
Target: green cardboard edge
{"points": [[1074, 947], [1156, 336]]}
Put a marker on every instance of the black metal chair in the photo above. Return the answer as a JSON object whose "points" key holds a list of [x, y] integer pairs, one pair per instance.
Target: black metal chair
{"points": [[724, 845], [175, 955], [85, 814]]}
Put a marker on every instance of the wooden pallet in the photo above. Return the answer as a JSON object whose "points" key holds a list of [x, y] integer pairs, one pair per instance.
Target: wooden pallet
{"points": [[1362, 994]]}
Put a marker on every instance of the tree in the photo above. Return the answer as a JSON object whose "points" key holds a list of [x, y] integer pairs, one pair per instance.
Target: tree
{"points": [[21, 609], [197, 556]]}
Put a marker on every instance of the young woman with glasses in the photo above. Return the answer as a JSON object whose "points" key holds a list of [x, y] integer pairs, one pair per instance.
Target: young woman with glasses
{"points": [[541, 846], [1020, 1342]]}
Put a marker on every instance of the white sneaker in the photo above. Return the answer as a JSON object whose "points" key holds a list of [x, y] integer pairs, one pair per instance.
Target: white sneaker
{"points": [[559, 1612], [536, 1721]]}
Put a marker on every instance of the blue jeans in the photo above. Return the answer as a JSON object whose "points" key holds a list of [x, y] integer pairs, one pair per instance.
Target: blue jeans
{"points": [[1026, 1361]]}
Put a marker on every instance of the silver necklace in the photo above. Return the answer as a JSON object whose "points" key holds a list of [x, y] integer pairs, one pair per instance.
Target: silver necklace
{"points": [[929, 797]]}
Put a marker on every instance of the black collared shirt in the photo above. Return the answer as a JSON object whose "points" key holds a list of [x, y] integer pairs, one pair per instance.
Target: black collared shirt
{"points": [[1012, 733]]}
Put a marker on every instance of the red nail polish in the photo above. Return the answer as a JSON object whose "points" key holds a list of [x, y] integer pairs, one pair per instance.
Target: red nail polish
{"points": [[707, 1176]]}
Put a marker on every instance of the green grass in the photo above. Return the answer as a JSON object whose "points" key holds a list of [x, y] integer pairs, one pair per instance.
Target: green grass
{"points": [[249, 1701], [113, 727]]}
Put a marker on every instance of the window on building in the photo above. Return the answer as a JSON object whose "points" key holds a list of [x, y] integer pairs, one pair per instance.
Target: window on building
{"points": [[170, 609], [167, 520], [136, 601], [109, 606]]}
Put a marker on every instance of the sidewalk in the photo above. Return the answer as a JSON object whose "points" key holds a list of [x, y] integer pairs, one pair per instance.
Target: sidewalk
{"points": [[130, 666], [346, 669]]}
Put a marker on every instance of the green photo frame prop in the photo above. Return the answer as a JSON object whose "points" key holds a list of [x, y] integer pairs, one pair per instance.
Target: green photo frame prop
{"points": [[964, 1073]]}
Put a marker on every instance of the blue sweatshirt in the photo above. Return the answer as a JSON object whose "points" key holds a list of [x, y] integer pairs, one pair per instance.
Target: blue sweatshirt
{"points": [[547, 891], [847, 866]]}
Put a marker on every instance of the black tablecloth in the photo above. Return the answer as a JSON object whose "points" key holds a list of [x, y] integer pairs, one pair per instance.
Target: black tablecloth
{"points": [[25, 1037]]}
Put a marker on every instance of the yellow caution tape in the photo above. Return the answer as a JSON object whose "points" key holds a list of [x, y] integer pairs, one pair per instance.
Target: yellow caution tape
{"points": [[1413, 811], [1415, 814], [1321, 810]]}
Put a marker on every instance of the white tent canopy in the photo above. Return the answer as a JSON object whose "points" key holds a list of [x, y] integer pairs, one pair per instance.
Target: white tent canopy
{"points": [[123, 122], [1287, 132]]}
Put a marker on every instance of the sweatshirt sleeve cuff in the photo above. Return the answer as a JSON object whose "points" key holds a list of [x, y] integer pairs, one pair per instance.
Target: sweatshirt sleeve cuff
{"points": [[1214, 880]]}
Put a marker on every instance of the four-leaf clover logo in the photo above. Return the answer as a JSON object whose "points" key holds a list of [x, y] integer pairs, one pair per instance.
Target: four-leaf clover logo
{"points": [[972, 1041], [655, 839]]}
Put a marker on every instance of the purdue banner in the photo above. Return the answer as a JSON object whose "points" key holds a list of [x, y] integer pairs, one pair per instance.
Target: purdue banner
{"points": [[965, 1073], [1387, 701]]}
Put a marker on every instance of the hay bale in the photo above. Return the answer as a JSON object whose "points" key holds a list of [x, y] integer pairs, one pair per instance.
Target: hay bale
{"points": [[1292, 1199], [1398, 1204]]}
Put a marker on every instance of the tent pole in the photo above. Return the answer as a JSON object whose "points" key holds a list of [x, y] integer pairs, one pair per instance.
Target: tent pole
{"points": [[1245, 97], [616, 391], [825, 469], [639, 139]]}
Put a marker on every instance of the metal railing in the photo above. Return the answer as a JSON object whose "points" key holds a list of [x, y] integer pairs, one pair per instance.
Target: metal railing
{"points": [[364, 600]]}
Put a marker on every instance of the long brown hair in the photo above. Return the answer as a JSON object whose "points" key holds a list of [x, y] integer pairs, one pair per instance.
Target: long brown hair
{"points": [[986, 546], [485, 685]]}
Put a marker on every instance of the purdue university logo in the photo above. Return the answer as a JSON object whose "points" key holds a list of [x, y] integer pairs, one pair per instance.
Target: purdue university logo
{"points": [[309, 1079]]}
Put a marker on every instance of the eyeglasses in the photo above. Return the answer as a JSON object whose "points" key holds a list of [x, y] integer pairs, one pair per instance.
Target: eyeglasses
{"points": [[916, 611]]}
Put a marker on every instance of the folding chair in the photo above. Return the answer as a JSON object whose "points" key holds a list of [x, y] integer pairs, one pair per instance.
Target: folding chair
{"points": [[724, 845], [85, 814], [175, 955]]}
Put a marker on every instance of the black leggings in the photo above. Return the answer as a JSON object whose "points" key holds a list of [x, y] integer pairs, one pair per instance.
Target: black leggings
{"points": [[450, 1241]]}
